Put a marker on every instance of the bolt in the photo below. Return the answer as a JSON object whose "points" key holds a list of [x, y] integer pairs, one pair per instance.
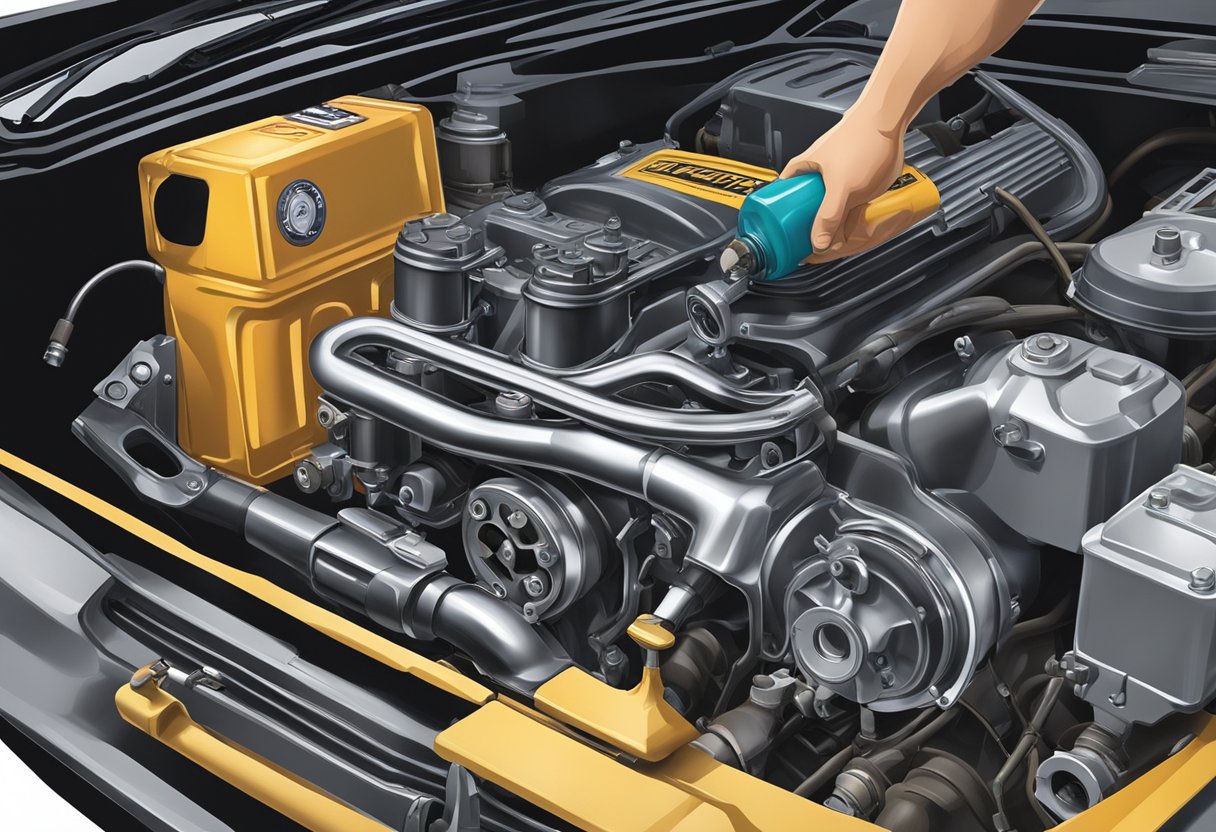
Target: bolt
{"points": [[506, 552], [661, 550], [406, 495], [141, 373], [517, 519], [116, 390], [744, 328], [881, 661], [1159, 498], [478, 510], [944, 701], [1007, 433], [1167, 243], [964, 347], [544, 556], [1044, 342], [193, 484], [304, 478], [1203, 579], [613, 656], [167, 378], [534, 586], [513, 405]]}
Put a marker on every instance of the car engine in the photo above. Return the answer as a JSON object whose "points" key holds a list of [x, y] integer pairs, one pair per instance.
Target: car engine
{"points": [[891, 510]]}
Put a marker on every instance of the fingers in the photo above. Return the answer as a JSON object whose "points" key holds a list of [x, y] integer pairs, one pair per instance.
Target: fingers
{"points": [[859, 233], [827, 222]]}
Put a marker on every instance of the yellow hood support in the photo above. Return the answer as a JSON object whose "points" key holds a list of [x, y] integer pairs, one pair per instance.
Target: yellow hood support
{"points": [[523, 751], [328, 623], [163, 717]]}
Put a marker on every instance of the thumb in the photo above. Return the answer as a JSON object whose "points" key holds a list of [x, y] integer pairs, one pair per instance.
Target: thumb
{"points": [[827, 220], [798, 166]]}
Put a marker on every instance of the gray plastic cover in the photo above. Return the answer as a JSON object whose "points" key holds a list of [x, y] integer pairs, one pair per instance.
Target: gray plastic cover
{"points": [[1135, 279]]}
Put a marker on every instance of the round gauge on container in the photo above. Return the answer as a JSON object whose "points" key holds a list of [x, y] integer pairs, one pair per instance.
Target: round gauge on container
{"points": [[301, 212]]}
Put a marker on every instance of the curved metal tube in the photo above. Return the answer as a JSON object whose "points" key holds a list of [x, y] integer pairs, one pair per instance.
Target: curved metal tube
{"points": [[500, 642], [729, 512], [354, 570], [340, 343], [649, 366], [732, 515]]}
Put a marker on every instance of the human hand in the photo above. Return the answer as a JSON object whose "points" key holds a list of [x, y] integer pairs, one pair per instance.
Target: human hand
{"points": [[858, 162]]}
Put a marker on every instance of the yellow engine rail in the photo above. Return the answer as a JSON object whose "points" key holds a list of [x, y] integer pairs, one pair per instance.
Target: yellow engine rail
{"points": [[543, 761]]}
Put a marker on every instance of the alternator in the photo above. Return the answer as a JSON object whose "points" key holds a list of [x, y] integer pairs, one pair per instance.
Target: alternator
{"points": [[536, 543], [885, 617]]}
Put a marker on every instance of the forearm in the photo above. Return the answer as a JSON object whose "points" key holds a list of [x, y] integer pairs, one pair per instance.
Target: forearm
{"points": [[931, 45]]}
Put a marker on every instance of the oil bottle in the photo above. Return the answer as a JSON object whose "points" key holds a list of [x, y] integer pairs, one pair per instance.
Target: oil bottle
{"points": [[774, 234]]}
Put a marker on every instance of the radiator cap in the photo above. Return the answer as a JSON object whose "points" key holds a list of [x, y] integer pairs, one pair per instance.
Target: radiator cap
{"points": [[1158, 275]]}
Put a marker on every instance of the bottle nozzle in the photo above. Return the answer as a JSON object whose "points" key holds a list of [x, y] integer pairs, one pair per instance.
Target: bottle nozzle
{"points": [[737, 258]]}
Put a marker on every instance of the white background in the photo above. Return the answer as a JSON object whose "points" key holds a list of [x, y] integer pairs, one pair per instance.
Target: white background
{"points": [[29, 805], [15, 6]]}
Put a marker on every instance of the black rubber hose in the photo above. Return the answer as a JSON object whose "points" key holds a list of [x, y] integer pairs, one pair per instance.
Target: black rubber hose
{"points": [[988, 312], [908, 738], [1036, 228], [826, 772], [1167, 138], [1206, 376]]}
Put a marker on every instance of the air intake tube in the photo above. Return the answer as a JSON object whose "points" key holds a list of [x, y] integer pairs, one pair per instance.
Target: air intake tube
{"points": [[365, 561]]}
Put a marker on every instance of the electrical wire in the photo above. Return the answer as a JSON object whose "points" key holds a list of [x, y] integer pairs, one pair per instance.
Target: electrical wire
{"points": [[1030, 738], [987, 726]]}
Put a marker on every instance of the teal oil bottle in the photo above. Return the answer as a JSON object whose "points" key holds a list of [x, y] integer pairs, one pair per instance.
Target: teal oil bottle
{"points": [[774, 234]]}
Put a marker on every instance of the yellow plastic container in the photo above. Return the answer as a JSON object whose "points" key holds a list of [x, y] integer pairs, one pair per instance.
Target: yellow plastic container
{"points": [[269, 233]]}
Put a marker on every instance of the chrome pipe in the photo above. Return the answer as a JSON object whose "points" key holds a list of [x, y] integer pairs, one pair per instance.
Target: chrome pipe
{"points": [[623, 373], [341, 343], [730, 513]]}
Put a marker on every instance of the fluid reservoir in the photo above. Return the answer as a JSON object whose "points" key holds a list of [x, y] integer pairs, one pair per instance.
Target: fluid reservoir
{"points": [[269, 233]]}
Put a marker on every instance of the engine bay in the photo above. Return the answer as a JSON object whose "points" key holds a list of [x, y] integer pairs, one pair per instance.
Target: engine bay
{"points": [[905, 534]]}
